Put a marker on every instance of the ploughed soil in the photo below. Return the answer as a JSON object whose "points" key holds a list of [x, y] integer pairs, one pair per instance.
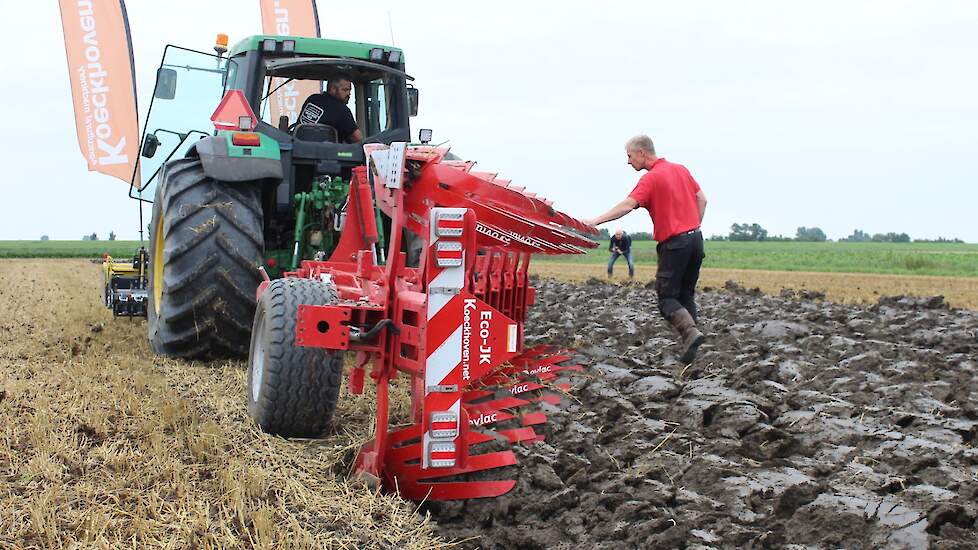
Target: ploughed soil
{"points": [[802, 424]]}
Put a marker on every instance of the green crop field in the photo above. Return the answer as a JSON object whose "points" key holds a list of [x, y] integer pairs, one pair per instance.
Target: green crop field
{"points": [[946, 259], [67, 249]]}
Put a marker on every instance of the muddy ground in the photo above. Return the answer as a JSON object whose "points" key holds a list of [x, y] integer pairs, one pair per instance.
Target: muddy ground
{"points": [[802, 424]]}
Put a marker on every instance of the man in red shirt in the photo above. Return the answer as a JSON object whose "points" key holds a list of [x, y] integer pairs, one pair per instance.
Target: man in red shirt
{"points": [[676, 204]]}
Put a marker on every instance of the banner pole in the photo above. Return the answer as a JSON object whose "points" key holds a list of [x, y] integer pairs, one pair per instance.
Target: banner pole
{"points": [[140, 222]]}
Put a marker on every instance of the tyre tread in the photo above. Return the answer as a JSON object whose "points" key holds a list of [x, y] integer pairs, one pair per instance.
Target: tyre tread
{"points": [[213, 245], [300, 385]]}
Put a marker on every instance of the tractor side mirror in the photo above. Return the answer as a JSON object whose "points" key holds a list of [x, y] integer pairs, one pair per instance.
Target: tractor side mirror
{"points": [[413, 101], [150, 145], [166, 84]]}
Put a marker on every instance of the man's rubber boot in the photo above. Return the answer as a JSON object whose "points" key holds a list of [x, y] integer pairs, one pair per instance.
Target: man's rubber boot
{"points": [[692, 337]]}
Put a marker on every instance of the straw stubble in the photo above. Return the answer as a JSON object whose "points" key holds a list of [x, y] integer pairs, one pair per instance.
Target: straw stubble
{"points": [[104, 445]]}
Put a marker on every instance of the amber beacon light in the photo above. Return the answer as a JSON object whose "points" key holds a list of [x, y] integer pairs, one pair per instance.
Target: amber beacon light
{"points": [[221, 44]]}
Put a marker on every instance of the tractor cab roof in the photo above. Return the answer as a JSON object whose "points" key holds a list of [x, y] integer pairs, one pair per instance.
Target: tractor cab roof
{"points": [[314, 47], [305, 68]]}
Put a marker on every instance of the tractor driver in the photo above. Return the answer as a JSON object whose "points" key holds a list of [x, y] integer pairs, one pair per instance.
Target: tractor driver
{"points": [[331, 109]]}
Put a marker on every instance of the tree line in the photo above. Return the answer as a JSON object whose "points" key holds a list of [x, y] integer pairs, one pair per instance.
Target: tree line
{"points": [[755, 232], [92, 237]]}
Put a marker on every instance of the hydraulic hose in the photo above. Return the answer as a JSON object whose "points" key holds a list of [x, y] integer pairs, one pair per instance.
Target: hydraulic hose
{"points": [[374, 331]]}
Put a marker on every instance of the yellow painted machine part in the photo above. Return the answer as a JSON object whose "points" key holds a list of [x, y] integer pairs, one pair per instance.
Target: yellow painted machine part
{"points": [[115, 267], [157, 264]]}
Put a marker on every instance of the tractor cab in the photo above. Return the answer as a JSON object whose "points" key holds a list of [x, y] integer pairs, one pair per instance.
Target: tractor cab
{"points": [[238, 111], [375, 98], [276, 74]]}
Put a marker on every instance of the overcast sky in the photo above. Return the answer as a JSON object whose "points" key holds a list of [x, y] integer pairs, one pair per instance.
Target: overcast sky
{"points": [[837, 114]]}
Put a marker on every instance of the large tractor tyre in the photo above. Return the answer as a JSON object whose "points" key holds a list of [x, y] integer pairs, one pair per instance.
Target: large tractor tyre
{"points": [[292, 390], [206, 244]]}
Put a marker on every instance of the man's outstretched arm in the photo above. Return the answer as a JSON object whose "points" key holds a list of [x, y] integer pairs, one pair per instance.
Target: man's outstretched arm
{"points": [[617, 211]]}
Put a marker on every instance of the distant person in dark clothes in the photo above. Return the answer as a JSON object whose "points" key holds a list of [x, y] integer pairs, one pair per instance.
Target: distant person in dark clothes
{"points": [[331, 109], [621, 245], [676, 204]]}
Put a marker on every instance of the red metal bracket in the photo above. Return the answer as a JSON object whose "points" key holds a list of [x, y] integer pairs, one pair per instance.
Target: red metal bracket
{"points": [[322, 327]]}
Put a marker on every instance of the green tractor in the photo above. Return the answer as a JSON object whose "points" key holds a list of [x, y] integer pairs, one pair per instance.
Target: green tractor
{"points": [[254, 193]]}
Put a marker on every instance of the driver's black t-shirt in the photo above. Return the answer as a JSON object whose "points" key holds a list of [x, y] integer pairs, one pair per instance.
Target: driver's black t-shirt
{"points": [[326, 109]]}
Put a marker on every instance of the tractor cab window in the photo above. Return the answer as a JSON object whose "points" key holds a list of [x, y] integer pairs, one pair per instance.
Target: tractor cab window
{"points": [[189, 86], [377, 111], [285, 96], [370, 102]]}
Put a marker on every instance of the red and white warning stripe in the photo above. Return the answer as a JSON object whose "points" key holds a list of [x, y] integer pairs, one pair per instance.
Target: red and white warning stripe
{"points": [[443, 337]]}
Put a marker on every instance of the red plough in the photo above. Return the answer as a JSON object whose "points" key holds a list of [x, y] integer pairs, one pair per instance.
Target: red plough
{"points": [[450, 319]]}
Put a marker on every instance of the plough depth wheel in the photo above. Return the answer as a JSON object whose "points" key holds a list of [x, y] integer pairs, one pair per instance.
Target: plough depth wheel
{"points": [[292, 390]]}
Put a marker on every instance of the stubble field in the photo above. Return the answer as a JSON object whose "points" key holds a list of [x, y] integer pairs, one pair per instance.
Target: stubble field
{"points": [[847, 288], [104, 445]]}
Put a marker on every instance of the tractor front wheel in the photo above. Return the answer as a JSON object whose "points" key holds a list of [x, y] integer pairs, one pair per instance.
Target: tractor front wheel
{"points": [[206, 243], [292, 390]]}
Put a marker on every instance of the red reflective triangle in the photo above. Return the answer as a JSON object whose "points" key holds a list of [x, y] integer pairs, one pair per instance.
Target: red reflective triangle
{"points": [[231, 109]]}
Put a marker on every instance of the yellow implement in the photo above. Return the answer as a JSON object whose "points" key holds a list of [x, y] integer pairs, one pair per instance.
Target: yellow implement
{"points": [[125, 284]]}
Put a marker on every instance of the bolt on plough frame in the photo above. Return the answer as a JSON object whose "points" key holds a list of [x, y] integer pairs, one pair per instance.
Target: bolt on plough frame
{"points": [[452, 321]]}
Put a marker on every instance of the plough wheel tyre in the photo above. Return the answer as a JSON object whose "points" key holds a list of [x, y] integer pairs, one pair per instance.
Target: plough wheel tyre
{"points": [[206, 243], [292, 390]]}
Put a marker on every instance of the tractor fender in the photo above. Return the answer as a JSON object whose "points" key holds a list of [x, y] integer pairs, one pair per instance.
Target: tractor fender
{"points": [[220, 165]]}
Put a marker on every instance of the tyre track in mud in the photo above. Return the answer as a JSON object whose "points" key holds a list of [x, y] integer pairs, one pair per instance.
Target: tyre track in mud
{"points": [[802, 424]]}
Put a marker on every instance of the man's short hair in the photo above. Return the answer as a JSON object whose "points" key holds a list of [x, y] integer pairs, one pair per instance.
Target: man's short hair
{"points": [[642, 143], [334, 83]]}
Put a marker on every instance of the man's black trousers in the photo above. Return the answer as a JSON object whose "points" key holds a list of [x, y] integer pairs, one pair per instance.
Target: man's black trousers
{"points": [[679, 261]]}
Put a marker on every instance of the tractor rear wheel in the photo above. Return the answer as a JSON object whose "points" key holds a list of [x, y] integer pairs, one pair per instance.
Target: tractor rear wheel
{"points": [[292, 390], [206, 243]]}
